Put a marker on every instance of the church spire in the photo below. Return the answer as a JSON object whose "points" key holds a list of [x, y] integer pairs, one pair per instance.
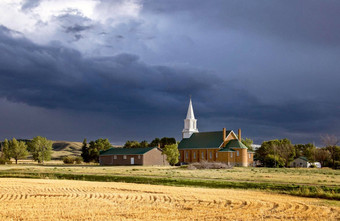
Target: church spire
{"points": [[190, 114], [190, 123]]}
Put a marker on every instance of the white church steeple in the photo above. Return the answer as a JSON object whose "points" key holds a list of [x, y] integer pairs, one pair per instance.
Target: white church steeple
{"points": [[190, 123]]}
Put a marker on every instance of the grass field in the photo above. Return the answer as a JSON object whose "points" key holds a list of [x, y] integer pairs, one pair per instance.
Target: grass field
{"points": [[32, 199], [321, 183], [308, 176]]}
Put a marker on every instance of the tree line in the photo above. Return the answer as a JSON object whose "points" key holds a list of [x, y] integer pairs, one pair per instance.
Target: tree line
{"points": [[154, 143], [280, 153], [39, 147]]}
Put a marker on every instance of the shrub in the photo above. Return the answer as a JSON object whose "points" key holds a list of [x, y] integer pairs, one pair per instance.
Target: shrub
{"points": [[208, 165], [5, 161], [78, 160], [69, 160]]}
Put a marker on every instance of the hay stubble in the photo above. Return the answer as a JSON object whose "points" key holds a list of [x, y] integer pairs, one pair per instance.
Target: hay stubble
{"points": [[29, 199]]}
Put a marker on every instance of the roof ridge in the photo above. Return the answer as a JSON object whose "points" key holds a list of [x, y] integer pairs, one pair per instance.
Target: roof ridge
{"points": [[220, 131]]}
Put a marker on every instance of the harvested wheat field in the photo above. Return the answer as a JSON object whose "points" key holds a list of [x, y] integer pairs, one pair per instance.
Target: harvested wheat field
{"points": [[31, 199]]}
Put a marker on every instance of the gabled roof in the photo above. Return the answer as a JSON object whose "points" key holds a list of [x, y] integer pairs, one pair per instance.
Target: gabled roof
{"points": [[203, 140], [126, 151], [235, 144], [226, 150], [303, 158]]}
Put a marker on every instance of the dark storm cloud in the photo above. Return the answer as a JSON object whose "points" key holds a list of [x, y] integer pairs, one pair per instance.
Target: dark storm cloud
{"points": [[76, 28], [123, 86], [316, 22], [58, 77]]}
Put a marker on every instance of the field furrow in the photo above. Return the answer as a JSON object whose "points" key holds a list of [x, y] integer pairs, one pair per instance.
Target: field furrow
{"points": [[24, 199]]}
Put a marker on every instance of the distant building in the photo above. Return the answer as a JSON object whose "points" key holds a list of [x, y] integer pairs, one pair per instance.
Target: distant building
{"points": [[221, 146], [132, 156], [304, 163]]}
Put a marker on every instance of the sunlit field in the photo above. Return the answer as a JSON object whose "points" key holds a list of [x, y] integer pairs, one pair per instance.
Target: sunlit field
{"points": [[34, 199], [273, 175]]}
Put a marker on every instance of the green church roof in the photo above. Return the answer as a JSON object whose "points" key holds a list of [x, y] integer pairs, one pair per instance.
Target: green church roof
{"points": [[126, 151], [226, 150], [203, 140], [235, 144]]}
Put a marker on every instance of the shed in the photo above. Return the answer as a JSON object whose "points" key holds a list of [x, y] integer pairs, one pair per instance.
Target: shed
{"points": [[303, 162], [132, 156]]}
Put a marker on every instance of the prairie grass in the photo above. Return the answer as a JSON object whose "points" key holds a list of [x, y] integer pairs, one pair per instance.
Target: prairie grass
{"points": [[315, 176]]}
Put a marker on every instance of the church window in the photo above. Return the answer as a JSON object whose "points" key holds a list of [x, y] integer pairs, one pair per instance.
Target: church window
{"points": [[216, 155], [124, 157], [237, 153], [210, 155], [115, 157], [202, 155], [194, 155], [138, 156], [249, 156], [187, 155], [231, 155]]}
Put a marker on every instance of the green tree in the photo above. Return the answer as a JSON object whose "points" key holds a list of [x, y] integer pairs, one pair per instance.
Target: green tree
{"points": [[248, 142], [322, 155], [286, 151], [278, 148], [306, 150], [5, 150], [41, 149], [172, 153], [17, 150], [144, 143], [93, 150], [274, 161], [167, 141], [132, 144], [85, 151], [155, 142]]}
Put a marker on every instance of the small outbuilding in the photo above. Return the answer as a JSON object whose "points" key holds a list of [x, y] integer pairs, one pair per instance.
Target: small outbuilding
{"points": [[132, 156], [303, 162]]}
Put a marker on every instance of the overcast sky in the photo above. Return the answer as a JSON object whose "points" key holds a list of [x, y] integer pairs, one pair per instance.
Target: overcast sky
{"points": [[124, 69]]}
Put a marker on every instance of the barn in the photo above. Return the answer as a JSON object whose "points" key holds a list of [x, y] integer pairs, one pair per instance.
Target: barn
{"points": [[132, 156]]}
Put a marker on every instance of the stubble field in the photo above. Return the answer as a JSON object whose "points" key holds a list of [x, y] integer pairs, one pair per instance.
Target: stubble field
{"points": [[33, 199]]}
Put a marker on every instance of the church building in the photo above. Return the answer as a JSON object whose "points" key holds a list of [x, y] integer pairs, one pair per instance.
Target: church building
{"points": [[217, 146]]}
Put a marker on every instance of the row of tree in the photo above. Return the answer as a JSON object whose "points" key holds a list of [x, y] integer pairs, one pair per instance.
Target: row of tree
{"points": [[280, 153], [39, 147], [154, 143], [90, 152]]}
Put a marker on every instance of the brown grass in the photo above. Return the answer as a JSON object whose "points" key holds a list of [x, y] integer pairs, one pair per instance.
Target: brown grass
{"points": [[208, 165], [65, 148], [28, 199]]}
